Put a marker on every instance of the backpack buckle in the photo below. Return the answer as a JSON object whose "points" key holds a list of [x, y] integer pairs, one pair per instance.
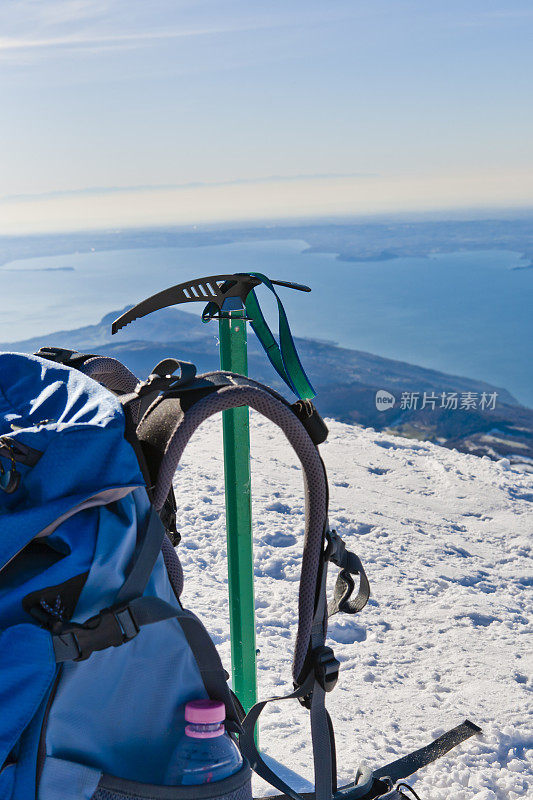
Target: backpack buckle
{"points": [[162, 378], [112, 627], [61, 355], [335, 548], [337, 553], [326, 667]]}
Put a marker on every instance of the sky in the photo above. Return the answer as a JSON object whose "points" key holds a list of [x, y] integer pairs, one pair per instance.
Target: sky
{"points": [[123, 112]]}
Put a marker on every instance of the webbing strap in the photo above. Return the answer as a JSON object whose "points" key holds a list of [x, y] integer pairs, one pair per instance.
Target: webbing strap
{"points": [[145, 560], [283, 357], [312, 692], [321, 737], [321, 726], [248, 746], [350, 565], [407, 765]]}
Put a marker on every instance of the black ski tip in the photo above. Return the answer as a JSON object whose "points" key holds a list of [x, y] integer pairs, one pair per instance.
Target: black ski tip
{"points": [[473, 727]]}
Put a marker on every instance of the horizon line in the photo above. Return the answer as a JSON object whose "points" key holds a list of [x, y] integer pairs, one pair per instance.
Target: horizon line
{"points": [[89, 190], [445, 214]]}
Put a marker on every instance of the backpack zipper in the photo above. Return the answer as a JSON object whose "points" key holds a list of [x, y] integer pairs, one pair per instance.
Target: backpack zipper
{"points": [[41, 748]]}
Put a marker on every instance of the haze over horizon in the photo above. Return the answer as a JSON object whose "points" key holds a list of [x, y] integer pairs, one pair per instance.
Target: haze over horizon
{"points": [[129, 114]]}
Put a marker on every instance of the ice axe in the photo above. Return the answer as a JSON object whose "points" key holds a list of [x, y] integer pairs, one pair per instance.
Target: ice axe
{"points": [[231, 299]]}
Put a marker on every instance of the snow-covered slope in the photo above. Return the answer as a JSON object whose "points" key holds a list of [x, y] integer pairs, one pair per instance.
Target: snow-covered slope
{"points": [[445, 538]]}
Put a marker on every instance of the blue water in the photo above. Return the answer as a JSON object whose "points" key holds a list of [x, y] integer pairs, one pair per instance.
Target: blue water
{"points": [[464, 313], [198, 761]]}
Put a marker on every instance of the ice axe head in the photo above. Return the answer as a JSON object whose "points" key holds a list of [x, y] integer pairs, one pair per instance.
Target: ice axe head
{"points": [[213, 290]]}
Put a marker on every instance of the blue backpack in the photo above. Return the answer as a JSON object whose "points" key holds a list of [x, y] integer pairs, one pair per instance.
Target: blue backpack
{"points": [[97, 655]]}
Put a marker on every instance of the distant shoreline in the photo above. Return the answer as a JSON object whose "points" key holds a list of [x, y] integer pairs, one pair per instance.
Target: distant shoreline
{"points": [[357, 242]]}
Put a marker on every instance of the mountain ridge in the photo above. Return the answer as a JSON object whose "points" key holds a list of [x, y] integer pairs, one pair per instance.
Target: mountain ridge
{"points": [[346, 381]]}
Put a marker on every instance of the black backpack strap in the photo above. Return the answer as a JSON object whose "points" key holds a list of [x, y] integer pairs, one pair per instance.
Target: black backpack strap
{"points": [[350, 564], [403, 767], [182, 414]]}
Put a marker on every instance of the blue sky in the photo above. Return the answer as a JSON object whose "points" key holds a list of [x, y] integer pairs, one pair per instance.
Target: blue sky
{"points": [[282, 108]]}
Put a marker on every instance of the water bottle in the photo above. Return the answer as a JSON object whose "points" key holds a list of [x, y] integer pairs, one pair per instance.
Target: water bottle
{"points": [[205, 753]]}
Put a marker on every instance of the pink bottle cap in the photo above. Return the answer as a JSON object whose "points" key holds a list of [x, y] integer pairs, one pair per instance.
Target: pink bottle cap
{"points": [[206, 712]]}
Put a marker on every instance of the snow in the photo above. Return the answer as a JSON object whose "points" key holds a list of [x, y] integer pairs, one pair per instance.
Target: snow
{"points": [[445, 539]]}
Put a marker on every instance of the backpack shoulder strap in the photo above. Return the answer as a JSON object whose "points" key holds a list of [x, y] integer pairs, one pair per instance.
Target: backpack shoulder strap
{"points": [[168, 425], [173, 418]]}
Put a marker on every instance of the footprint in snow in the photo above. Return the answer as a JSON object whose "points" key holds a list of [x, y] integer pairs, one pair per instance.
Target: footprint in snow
{"points": [[362, 528], [479, 620], [452, 550], [281, 508], [279, 539], [274, 568], [378, 470], [210, 516], [517, 495], [479, 516], [346, 632], [345, 527], [396, 446]]}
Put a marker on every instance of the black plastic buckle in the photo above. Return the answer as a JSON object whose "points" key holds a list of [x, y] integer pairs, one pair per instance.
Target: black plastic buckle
{"points": [[311, 420], [112, 627], [61, 355], [157, 382], [58, 354], [153, 385], [336, 548], [326, 667], [337, 553]]}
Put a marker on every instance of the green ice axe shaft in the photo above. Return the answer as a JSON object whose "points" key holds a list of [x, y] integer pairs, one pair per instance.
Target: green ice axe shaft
{"points": [[236, 432]]}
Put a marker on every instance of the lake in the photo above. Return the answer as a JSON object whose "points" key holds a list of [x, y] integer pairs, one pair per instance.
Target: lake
{"points": [[467, 313]]}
